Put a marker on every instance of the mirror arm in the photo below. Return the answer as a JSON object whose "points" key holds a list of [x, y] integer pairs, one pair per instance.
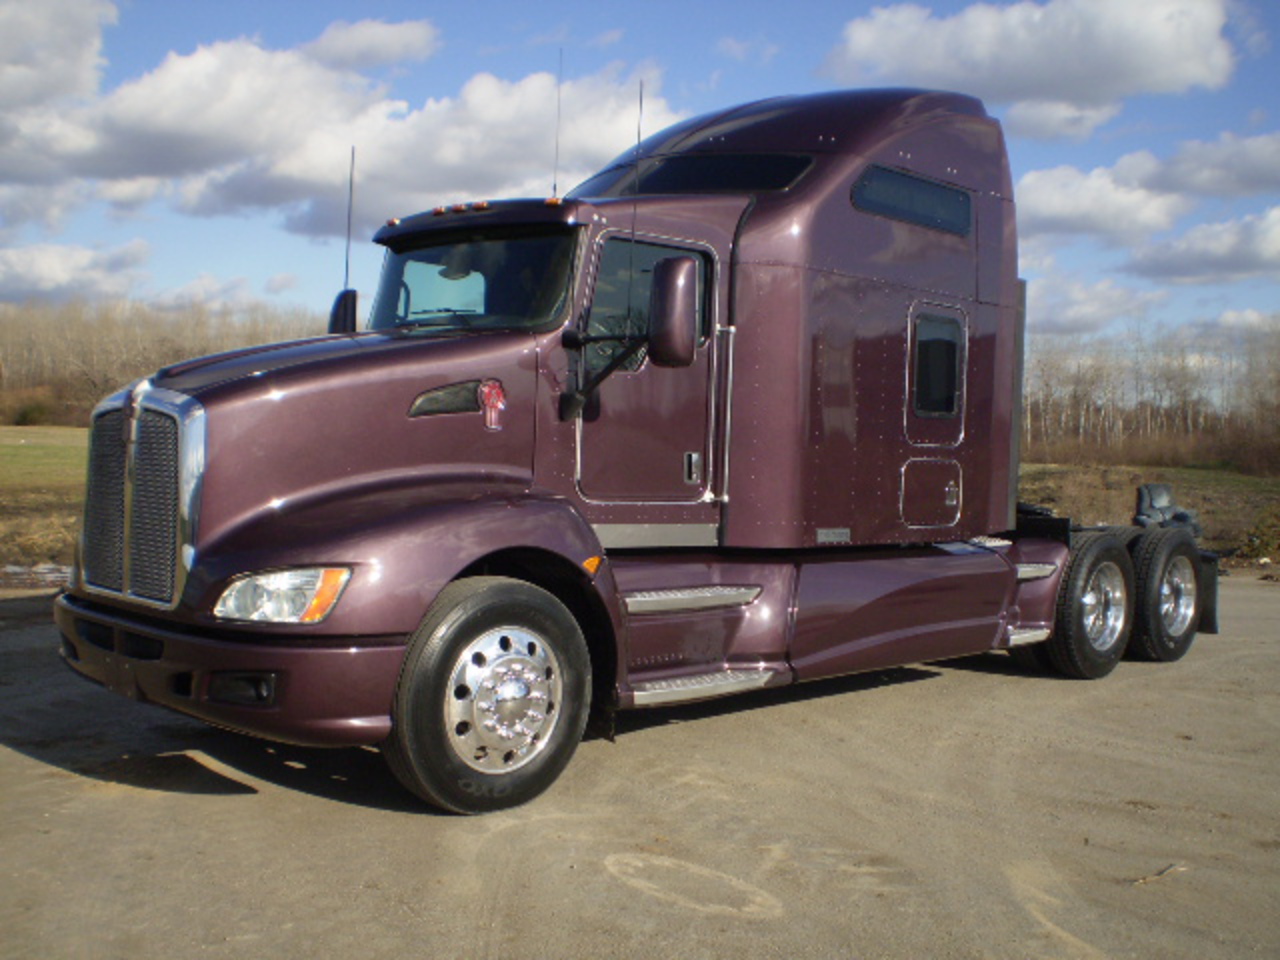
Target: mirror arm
{"points": [[573, 402]]}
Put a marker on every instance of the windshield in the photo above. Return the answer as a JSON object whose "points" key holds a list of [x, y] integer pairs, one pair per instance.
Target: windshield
{"points": [[477, 281]]}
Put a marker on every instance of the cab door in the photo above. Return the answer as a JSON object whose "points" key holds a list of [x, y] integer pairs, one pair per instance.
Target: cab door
{"points": [[645, 436]]}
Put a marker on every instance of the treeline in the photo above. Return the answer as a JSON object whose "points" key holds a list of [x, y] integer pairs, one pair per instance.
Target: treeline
{"points": [[58, 361], [1151, 397], [1156, 397]]}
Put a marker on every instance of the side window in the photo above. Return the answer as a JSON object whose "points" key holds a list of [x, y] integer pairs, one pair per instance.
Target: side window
{"points": [[939, 355], [620, 304], [901, 196]]}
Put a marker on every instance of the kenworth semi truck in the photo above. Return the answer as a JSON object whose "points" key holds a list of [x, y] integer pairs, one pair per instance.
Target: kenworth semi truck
{"points": [[737, 412]]}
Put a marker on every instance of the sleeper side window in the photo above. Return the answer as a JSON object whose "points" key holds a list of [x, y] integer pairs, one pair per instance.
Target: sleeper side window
{"points": [[912, 199], [939, 355]]}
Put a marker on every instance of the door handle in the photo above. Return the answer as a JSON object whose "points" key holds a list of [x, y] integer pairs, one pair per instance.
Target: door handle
{"points": [[693, 468]]}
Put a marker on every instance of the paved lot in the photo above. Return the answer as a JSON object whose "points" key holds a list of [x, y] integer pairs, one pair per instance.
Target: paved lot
{"points": [[961, 810]]}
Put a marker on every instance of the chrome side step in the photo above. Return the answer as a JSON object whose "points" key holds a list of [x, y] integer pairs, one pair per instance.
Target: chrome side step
{"points": [[1035, 571], [689, 598], [1020, 636], [702, 686]]}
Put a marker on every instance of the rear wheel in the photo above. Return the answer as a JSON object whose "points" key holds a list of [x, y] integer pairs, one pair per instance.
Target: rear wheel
{"points": [[1095, 608], [1167, 565], [492, 698]]}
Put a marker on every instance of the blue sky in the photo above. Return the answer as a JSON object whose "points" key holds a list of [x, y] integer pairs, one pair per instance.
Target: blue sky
{"points": [[196, 152]]}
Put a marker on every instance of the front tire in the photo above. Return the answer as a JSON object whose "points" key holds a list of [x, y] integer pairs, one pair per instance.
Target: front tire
{"points": [[492, 699], [1167, 564], [1095, 608]]}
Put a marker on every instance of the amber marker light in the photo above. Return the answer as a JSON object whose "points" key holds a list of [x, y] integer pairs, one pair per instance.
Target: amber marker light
{"points": [[332, 580], [591, 565]]}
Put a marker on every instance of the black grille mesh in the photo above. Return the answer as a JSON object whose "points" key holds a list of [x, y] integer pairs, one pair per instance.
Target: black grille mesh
{"points": [[154, 537], [151, 542], [104, 503]]}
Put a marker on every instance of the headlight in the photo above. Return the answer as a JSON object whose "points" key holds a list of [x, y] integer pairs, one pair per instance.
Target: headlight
{"points": [[284, 596]]}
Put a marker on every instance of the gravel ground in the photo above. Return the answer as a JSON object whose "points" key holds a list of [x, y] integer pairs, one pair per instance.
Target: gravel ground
{"points": [[957, 810]]}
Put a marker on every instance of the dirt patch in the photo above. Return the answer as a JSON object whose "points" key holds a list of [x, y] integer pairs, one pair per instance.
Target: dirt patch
{"points": [[1233, 508]]}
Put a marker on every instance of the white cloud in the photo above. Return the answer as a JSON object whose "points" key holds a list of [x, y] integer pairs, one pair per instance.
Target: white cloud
{"points": [[607, 39], [63, 272], [280, 282], [1111, 203], [1048, 120], [1223, 252], [50, 50], [373, 43], [1230, 166], [47, 205], [755, 51], [233, 126], [1073, 60], [209, 293], [1248, 319], [1065, 305]]}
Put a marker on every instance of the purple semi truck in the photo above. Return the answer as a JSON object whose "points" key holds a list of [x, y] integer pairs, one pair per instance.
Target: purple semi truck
{"points": [[739, 411]]}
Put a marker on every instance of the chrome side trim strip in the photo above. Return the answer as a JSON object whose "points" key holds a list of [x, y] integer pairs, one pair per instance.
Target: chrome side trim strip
{"points": [[689, 598], [614, 536], [1019, 636], [1036, 571], [700, 687]]}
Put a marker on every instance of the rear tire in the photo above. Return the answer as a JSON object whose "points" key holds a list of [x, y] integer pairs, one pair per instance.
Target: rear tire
{"points": [[1095, 608], [492, 699], [1167, 566], [1126, 535]]}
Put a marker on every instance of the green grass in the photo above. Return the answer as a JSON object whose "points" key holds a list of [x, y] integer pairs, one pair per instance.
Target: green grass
{"points": [[43, 458], [42, 474]]}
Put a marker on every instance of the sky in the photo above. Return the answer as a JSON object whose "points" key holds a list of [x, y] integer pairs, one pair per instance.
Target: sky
{"points": [[197, 152]]}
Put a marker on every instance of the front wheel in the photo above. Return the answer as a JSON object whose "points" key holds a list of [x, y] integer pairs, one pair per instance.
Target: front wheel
{"points": [[492, 698], [1095, 608]]}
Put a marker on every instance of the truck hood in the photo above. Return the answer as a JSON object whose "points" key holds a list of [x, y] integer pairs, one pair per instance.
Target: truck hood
{"points": [[321, 420], [195, 375]]}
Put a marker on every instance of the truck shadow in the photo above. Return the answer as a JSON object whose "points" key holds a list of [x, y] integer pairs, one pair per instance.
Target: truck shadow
{"points": [[58, 719], [636, 721], [52, 716]]}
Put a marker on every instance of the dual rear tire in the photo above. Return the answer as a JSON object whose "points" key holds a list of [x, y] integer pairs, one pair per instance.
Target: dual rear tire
{"points": [[1123, 590]]}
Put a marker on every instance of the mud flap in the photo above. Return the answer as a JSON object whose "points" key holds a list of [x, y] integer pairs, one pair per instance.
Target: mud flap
{"points": [[1208, 592]]}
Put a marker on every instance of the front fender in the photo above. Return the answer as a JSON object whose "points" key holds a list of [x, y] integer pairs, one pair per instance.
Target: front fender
{"points": [[402, 551]]}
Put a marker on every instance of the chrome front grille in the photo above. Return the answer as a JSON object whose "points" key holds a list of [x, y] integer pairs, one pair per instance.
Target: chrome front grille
{"points": [[145, 462]]}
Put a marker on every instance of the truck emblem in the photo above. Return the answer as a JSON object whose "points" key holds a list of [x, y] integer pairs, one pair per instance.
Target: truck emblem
{"points": [[493, 399]]}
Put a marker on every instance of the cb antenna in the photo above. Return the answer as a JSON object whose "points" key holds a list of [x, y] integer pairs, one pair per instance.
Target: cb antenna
{"points": [[555, 170], [351, 196]]}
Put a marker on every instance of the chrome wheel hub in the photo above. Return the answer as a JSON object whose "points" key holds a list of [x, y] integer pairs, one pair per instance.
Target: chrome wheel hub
{"points": [[1103, 607], [503, 701], [1178, 596]]}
